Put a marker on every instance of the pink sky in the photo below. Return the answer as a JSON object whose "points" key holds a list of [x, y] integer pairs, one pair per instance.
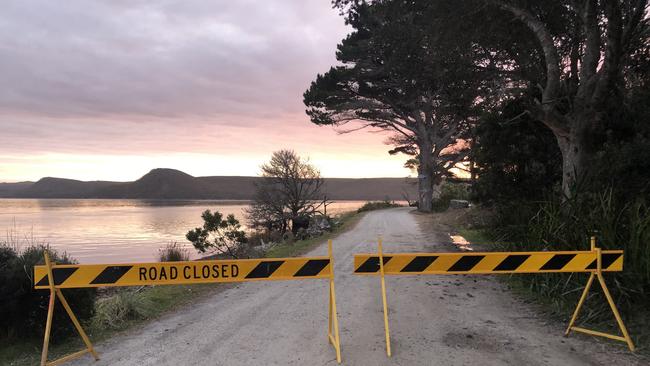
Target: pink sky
{"points": [[111, 89]]}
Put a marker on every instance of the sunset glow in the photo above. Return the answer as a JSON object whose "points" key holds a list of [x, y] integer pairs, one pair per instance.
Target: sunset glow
{"points": [[131, 167], [208, 89]]}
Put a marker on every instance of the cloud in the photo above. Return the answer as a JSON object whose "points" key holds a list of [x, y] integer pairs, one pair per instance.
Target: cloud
{"points": [[142, 78], [189, 58]]}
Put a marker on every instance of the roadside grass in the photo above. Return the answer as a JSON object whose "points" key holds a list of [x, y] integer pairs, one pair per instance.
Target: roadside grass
{"points": [[121, 309], [377, 205]]}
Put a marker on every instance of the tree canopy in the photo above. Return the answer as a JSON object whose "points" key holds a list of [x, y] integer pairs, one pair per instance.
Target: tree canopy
{"points": [[403, 75], [291, 192], [580, 59]]}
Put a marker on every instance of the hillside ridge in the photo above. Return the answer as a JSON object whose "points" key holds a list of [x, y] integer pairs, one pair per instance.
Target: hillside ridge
{"points": [[164, 183]]}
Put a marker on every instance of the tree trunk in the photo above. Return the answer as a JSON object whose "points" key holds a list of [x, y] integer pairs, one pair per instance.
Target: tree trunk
{"points": [[425, 179], [425, 191], [437, 188], [574, 147]]}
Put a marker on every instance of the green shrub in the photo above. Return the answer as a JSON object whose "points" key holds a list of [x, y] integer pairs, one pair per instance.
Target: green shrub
{"points": [[377, 205], [23, 310], [11, 282], [220, 236], [514, 159], [173, 252], [450, 191]]}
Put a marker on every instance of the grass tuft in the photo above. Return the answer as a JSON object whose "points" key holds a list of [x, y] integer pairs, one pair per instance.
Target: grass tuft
{"points": [[173, 252]]}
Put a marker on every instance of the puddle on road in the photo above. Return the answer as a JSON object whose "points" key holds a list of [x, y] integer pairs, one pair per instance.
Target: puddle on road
{"points": [[461, 243]]}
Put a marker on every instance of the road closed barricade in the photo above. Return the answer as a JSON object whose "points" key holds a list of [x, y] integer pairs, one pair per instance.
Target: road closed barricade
{"points": [[57, 277], [595, 262]]}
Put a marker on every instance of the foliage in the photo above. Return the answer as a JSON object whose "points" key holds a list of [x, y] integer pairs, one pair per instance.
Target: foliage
{"points": [[219, 235], [562, 146], [610, 202], [23, 310], [450, 191], [518, 172], [580, 60], [377, 205], [514, 156], [288, 196], [401, 74], [173, 252], [572, 62], [624, 161], [567, 225]]}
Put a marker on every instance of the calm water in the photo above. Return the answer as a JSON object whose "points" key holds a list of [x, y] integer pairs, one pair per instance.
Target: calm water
{"points": [[114, 231]]}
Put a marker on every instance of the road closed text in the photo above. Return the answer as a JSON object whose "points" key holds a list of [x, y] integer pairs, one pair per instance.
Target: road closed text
{"points": [[188, 272]]}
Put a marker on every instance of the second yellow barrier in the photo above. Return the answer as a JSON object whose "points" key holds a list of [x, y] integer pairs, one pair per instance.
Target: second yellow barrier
{"points": [[488, 262], [595, 262]]}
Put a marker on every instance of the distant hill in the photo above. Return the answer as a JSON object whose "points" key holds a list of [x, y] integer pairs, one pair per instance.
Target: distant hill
{"points": [[62, 188], [174, 184], [10, 189], [160, 184]]}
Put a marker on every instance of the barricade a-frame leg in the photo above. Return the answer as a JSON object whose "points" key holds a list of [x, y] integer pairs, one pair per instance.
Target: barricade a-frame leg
{"points": [[601, 280], [333, 321], [383, 295], [54, 293]]}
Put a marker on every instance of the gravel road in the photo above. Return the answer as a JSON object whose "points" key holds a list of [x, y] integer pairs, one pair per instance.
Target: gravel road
{"points": [[441, 320]]}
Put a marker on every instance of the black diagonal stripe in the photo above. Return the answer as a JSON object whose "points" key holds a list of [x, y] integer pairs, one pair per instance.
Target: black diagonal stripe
{"points": [[110, 275], [558, 261], [59, 274], [371, 265], [419, 263], [608, 259], [466, 263], [512, 262], [312, 267], [264, 269]]}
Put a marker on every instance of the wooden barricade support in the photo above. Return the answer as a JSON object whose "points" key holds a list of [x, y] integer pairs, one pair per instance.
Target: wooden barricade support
{"points": [[594, 262]]}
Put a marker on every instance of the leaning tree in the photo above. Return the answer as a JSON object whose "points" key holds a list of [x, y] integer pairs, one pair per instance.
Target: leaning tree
{"points": [[575, 52], [398, 76]]}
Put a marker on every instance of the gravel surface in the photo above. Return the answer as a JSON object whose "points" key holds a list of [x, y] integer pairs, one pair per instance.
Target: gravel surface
{"points": [[436, 320]]}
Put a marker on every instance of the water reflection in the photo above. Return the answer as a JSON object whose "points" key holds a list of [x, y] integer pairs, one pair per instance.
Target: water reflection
{"points": [[102, 231]]}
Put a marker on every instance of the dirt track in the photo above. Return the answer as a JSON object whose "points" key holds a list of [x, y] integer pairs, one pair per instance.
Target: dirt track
{"points": [[442, 320]]}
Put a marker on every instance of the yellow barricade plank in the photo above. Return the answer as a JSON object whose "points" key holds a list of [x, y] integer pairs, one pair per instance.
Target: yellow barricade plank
{"points": [[172, 273], [488, 262]]}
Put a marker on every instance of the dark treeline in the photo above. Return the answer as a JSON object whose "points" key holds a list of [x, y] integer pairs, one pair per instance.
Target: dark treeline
{"points": [[546, 103]]}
